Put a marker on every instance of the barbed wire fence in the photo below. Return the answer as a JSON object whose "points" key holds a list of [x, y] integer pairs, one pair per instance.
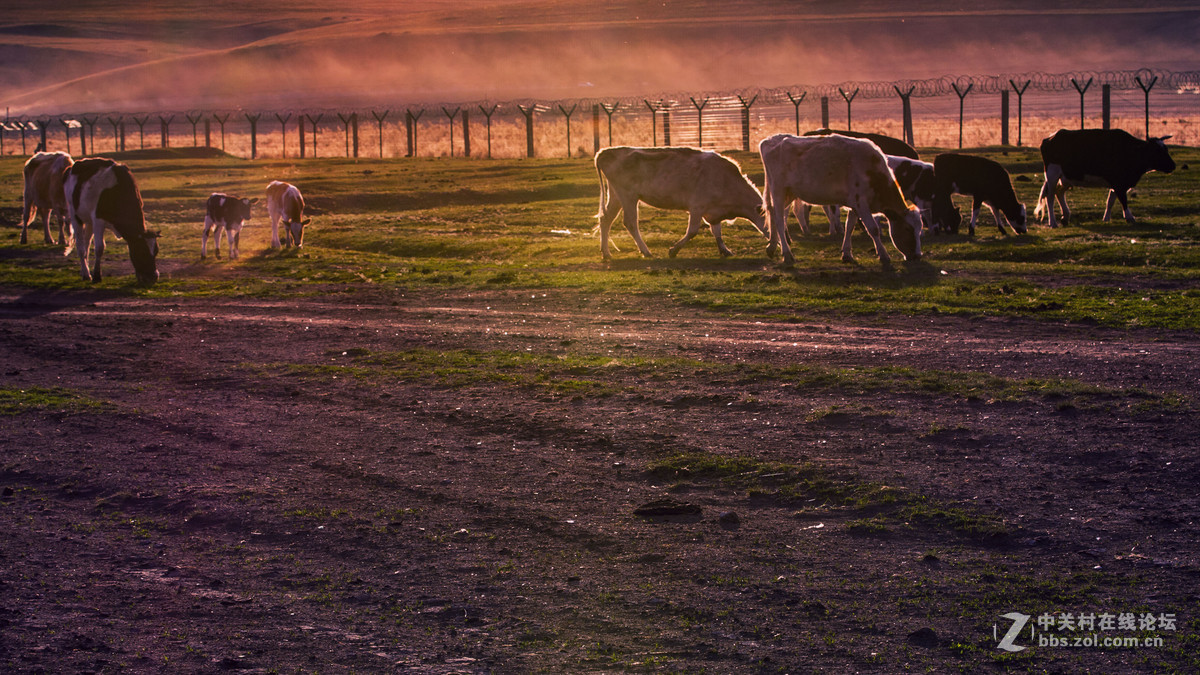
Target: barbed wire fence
{"points": [[985, 110]]}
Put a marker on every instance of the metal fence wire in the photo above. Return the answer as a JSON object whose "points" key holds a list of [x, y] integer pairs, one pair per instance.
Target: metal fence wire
{"points": [[1011, 109]]}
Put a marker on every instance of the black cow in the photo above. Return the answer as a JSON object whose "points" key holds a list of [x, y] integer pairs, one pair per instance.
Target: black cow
{"points": [[100, 194], [985, 181], [889, 145], [1109, 158], [225, 213]]}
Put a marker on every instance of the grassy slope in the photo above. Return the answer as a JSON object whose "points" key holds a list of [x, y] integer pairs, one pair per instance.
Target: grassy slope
{"points": [[504, 224]]}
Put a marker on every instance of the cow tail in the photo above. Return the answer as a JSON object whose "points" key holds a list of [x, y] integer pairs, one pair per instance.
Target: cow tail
{"points": [[604, 199]]}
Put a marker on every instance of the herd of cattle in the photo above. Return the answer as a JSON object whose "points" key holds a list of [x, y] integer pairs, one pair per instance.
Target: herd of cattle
{"points": [[868, 174]]}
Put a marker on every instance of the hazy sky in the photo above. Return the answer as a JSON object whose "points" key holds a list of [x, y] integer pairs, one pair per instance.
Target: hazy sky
{"points": [[94, 55]]}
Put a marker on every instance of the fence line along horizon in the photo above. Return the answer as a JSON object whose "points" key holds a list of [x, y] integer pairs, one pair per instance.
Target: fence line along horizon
{"points": [[719, 120]]}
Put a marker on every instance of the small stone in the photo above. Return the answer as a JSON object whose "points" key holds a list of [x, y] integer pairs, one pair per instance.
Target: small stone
{"points": [[923, 637], [729, 518]]}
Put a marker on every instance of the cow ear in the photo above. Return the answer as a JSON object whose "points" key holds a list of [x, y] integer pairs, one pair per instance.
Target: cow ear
{"points": [[152, 234], [306, 221], [253, 201], [1165, 137]]}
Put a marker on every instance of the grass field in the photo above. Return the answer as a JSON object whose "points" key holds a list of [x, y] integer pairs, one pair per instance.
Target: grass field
{"points": [[527, 224]]}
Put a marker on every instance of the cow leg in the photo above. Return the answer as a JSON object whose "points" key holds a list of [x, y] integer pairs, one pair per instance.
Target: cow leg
{"points": [[715, 226], [98, 244], [1124, 197], [695, 221], [833, 213], [777, 217], [631, 224], [802, 209], [872, 226], [847, 253], [46, 227], [26, 213], [976, 204], [63, 230], [1049, 194], [1108, 204], [275, 230], [1061, 196], [208, 227], [1001, 221], [234, 244]]}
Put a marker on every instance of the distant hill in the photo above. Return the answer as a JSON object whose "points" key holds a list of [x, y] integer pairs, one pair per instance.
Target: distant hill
{"points": [[104, 55]]}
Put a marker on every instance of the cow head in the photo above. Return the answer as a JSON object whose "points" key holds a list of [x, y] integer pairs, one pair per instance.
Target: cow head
{"points": [[905, 230], [1160, 158], [143, 250], [243, 213], [947, 219], [1017, 220], [295, 231]]}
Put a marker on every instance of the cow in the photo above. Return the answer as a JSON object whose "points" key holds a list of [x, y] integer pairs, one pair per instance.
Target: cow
{"points": [[1109, 158], [986, 181], [837, 170], [709, 186], [284, 202], [224, 213], [44, 194], [890, 146], [100, 194], [916, 182]]}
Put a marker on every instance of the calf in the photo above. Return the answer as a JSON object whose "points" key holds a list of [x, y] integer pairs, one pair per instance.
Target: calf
{"points": [[44, 193], [985, 181], [225, 213], [101, 193], [1109, 158], [709, 186], [284, 203], [837, 170]]}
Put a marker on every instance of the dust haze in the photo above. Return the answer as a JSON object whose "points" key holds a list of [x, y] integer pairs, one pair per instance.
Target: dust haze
{"points": [[96, 56]]}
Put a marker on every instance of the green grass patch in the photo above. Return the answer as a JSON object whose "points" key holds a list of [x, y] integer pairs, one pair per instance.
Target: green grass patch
{"points": [[15, 401]]}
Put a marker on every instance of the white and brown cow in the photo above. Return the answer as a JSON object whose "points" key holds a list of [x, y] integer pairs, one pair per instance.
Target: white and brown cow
{"points": [[100, 194], [916, 182], [286, 204], [837, 170], [1109, 158], [224, 213], [709, 186], [44, 193]]}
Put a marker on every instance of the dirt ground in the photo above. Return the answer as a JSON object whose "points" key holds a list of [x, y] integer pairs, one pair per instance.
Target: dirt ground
{"points": [[224, 508]]}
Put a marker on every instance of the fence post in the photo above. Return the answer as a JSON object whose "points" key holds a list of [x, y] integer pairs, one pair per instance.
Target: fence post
{"points": [[666, 113], [906, 109], [567, 114], [528, 127], [283, 132], [699, 120], [609, 111], [796, 104], [141, 131], [1004, 117], [824, 112], [653, 121], [345, 130], [24, 124], [253, 120], [91, 124], [1020, 106], [116, 125], [303, 135], [354, 124], [410, 122], [379, 120], [43, 127], [1146, 86], [962, 96], [746, 120], [487, 114], [207, 132], [408, 133], [166, 130], [1082, 89], [194, 121], [66, 132], [315, 123], [221, 121], [595, 128], [466, 129], [450, 116], [849, 99], [1106, 106]]}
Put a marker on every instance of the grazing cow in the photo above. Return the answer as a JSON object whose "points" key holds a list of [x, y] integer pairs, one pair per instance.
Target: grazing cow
{"points": [[889, 145], [986, 181], [916, 182], [837, 170], [709, 186], [225, 213], [1109, 158], [44, 193], [100, 194], [285, 203]]}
